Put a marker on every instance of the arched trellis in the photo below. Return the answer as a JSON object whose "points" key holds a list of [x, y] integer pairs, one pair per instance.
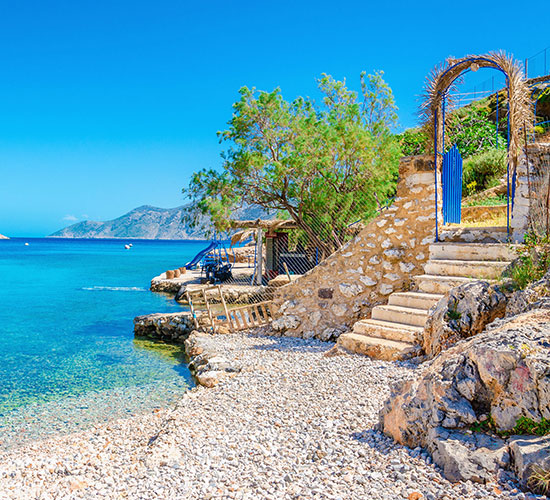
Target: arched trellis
{"points": [[520, 112]]}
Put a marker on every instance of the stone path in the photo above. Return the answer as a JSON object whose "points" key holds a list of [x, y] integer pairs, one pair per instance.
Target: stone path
{"points": [[294, 424]]}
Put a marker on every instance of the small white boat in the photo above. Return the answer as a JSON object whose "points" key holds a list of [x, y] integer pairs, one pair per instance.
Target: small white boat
{"points": [[26, 244], [127, 247]]}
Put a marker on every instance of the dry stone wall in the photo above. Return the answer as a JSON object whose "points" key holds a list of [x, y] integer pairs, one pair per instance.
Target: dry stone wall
{"points": [[381, 259], [531, 190]]}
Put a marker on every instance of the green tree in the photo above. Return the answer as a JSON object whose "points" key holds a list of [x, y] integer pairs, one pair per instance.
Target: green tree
{"points": [[472, 130], [322, 165]]}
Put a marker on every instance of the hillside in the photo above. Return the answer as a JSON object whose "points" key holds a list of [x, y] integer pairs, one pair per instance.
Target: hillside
{"points": [[146, 222]]}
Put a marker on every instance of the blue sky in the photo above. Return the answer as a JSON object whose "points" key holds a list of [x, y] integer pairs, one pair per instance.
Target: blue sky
{"points": [[108, 105]]}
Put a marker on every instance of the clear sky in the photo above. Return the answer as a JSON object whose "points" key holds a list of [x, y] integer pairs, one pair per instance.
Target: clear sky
{"points": [[108, 105]]}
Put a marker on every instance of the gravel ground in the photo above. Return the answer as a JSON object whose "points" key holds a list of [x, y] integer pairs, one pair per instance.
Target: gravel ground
{"points": [[293, 424]]}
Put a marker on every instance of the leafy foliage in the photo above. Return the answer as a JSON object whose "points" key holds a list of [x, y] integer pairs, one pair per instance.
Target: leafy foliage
{"points": [[325, 166], [533, 260], [414, 141], [483, 171], [472, 130], [524, 426]]}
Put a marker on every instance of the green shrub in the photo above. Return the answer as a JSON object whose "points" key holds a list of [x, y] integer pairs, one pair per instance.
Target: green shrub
{"points": [[533, 260], [483, 171], [539, 480], [413, 141], [472, 130]]}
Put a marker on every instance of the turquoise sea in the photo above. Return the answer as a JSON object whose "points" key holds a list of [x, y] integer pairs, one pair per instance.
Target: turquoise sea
{"points": [[68, 357]]}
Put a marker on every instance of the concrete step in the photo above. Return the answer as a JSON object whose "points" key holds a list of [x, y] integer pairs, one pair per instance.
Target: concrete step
{"points": [[377, 348], [388, 330], [439, 284], [417, 300], [473, 251], [399, 314], [494, 234], [468, 268]]}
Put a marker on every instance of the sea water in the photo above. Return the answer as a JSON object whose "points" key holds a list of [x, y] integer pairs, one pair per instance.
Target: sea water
{"points": [[68, 357]]}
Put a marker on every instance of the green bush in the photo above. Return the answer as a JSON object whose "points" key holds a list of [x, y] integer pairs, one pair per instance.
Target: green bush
{"points": [[483, 171], [472, 130], [413, 142], [533, 261]]}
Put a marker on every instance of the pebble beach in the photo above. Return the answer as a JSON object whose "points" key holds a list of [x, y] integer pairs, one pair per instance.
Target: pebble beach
{"points": [[294, 423]]}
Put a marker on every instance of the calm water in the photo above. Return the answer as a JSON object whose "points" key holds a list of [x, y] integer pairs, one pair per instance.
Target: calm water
{"points": [[66, 311]]}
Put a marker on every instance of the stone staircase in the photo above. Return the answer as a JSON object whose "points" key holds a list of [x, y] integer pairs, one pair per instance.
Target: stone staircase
{"points": [[394, 331]]}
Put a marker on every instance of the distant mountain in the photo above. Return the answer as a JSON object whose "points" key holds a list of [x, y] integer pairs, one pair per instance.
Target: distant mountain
{"points": [[2, 237], [149, 223]]}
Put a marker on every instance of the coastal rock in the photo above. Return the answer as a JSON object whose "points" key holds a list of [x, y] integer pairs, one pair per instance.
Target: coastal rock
{"points": [[468, 457], [171, 327], [462, 313], [503, 372], [2, 237], [205, 362]]}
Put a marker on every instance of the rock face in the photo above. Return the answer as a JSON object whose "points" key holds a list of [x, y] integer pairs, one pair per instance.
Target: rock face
{"points": [[462, 313], [2, 237], [503, 372]]}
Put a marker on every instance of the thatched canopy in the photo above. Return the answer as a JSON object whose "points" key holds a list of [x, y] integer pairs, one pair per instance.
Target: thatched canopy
{"points": [[443, 78], [266, 224]]}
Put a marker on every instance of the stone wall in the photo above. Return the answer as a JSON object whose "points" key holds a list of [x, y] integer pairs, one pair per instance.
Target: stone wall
{"points": [[380, 260], [530, 209]]}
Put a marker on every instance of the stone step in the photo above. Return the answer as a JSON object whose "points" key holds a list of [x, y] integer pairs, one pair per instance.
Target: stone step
{"points": [[439, 284], [388, 330], [468, 268], [494, 234], [399, 314], [417, 300], [473, 251], [377, 348]]}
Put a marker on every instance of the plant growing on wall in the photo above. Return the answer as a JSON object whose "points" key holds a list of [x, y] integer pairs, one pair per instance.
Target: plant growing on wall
{"points": [[324, 165]]}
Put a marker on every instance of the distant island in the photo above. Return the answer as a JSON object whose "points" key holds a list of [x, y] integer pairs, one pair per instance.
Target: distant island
{"points": [[147, 222], [2, 237]]}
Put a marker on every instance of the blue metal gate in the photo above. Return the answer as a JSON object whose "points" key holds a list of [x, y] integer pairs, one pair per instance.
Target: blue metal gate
{"points": [[451, 180]]}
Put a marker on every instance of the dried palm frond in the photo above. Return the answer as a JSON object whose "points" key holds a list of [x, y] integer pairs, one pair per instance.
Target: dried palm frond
{"points": [[443, 78]]}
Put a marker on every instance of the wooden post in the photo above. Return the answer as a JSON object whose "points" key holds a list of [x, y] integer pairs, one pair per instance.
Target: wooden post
{"points": [[209, 311], [229, 320], [259, 257], [193, 313]]}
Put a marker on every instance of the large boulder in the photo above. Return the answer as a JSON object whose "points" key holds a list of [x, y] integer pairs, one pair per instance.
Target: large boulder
{"points": [[504, 371], [529, 453], [462, 313]]}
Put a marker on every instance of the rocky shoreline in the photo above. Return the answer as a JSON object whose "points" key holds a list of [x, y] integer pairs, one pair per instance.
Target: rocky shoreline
{"points": [[296, 422]]}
